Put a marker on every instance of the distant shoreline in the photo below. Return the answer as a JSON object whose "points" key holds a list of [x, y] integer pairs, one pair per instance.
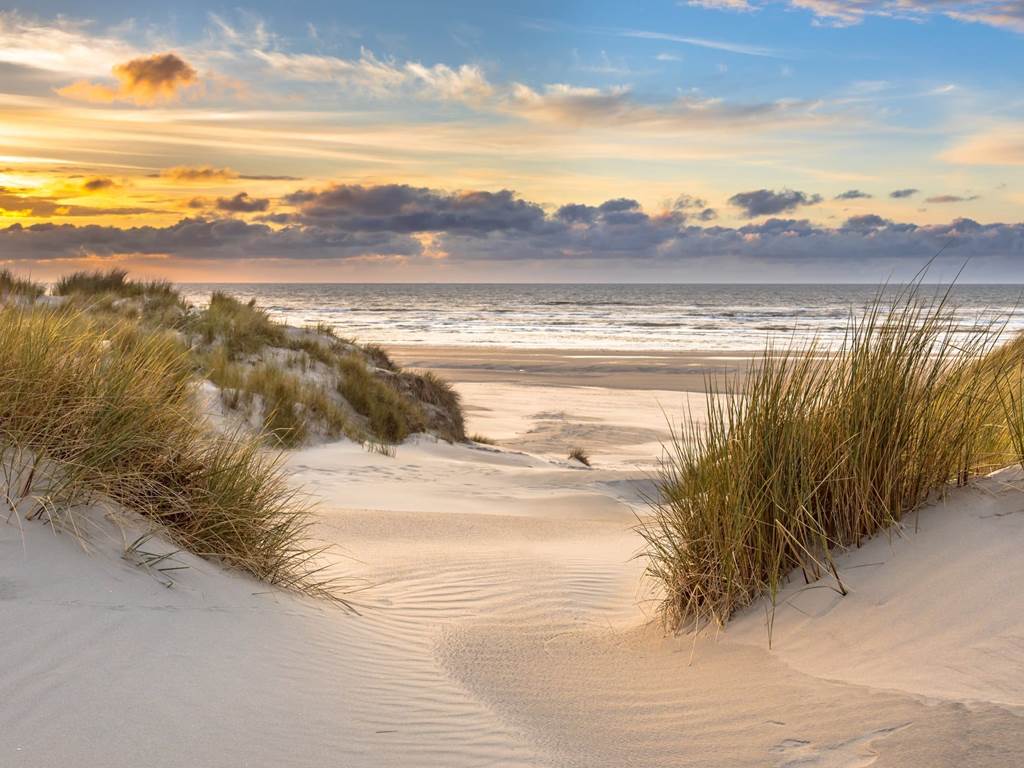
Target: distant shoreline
{"points": [[669, 370]]}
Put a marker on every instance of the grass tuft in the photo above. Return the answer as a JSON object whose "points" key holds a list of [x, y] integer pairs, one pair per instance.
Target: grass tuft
{"points": [[580, 455], [391, 417], [11, 285], [111, 411], [242, 327], [817, 450]]}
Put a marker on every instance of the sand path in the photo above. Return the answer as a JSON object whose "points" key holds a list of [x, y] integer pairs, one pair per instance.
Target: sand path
{"points": [[503, 622]]}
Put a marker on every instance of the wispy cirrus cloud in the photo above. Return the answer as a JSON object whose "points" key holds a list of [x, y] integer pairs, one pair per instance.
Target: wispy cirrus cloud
{"points": [[1001, 145], [376, 76], [701, 42], [62, 46], [617, 106], [1006, 14], [724, 5]]}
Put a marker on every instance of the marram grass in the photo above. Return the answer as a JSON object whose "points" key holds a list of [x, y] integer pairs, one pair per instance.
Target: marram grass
{"points": [[817, 449], [111, 410]]}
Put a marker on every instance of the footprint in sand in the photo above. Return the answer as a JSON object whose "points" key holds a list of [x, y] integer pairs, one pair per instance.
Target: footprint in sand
{"points": [[852, 753]]}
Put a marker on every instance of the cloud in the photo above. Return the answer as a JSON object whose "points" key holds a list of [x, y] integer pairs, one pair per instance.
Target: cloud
{"points": [[1007, 14], [202, 173], [951, 199], [702, 42], [208, 173], [724, 5], [1003, 145], [695, 207], [853, 194], [351, 221], [405, 209], [196, 238], [381, 77], [143, 81], [60, 46], [866, 223], [766, 202], [617, 106], [98, 184], [46, 207], [899, 194], [242, 203]]}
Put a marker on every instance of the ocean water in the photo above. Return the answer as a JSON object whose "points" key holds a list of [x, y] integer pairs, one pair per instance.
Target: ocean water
{"points": [[597, 317]]}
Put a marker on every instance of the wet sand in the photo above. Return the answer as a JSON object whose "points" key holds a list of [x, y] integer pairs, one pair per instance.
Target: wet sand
{"points": [[664, 370]]}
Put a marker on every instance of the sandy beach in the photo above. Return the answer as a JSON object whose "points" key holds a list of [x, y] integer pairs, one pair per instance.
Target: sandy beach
{"points": [[502, 620]]}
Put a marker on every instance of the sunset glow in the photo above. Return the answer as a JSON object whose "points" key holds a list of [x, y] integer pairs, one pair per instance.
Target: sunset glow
{"points": [[711, 140]]}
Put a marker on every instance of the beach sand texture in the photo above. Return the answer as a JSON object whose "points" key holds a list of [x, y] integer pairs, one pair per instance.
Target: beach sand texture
{"points": [[503, 621]]}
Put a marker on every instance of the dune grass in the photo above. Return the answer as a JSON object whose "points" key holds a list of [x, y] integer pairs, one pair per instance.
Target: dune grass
{"points": [[11, 285], [427, 387], [113, 294], [818, 449], [242, 327], [113, 281], [391, 417], [578, 454], [110, 411]]}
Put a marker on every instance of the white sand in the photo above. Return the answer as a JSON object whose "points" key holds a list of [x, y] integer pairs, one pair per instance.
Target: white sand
{"points": [[503, 623]]}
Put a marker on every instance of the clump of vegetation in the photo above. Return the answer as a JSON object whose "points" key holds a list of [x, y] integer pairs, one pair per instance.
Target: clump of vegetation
{"points": [[113, 294], [11, 285], [476, 437], [580, 455], [818, 449], [391, 417], [241, 327], [113, 281], [108, 412], [440, 398], [256, 362]]}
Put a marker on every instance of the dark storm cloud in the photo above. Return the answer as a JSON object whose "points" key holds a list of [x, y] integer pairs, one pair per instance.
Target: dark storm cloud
{"points": [[343, 222], [242, 203], [402, 208], [898, 194], [197, 238], [767, 202], [853, 194]]}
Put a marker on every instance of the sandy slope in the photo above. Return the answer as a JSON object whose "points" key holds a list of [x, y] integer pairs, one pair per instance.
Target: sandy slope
{"points": [[502, 623]]}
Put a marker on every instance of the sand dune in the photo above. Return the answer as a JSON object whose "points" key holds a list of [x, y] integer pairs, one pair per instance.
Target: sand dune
{"points": [[503, 621]]}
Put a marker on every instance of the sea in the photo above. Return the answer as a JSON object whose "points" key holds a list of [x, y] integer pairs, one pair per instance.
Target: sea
{"points": [[604, 317]]}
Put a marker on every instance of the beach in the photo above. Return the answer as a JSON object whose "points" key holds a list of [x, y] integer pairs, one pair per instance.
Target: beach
{"points": [[501, 618]]}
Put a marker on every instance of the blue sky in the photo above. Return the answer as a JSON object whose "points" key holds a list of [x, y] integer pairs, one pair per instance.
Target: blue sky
{"points": [[752, 139]]}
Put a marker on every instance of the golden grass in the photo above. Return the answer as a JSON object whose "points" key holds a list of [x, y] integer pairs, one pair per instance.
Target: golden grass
{"points": [[391, 417], [11, 285], [243, 328], [818, 449], [110, 410]]}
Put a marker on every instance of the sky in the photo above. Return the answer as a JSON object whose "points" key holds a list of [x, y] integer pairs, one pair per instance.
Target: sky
{"points": [[690, 141]]}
